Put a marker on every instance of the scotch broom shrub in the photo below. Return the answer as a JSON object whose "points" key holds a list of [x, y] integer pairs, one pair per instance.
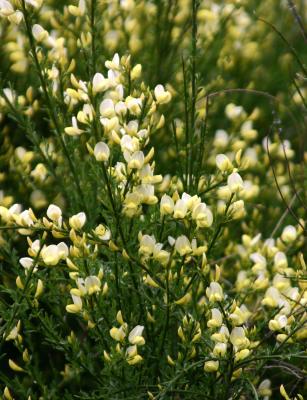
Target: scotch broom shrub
{"points": [[153, 199]]}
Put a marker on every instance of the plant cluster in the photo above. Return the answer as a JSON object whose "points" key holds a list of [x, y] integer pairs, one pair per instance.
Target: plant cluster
{"points": [[153, 200]]}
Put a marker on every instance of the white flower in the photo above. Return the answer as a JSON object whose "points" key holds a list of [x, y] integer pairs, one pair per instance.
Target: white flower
{"points": [[92, 284], [180, 209], [100, 83], [76, 306], [118, 334], [162, 96], [34, 3], [216, 318], [166, 205], [222, 335], [39, 172], [6, 8], [272, 297], [264, 389], [235, 182], [15, 209], [214, 292], [221, 138], [78, 11], [134, 105], [132, 127], [289, 234], [16, 17], [146, 194], [183, 245], [135, 336], [120, 108], [114, 64], [202, 215], [109, 124], [132, 356], [39, 33], [86, 115], [10, 94], [13, 335], [238, 338], [51, 255], [247, 131], [130, 144], [101, 151], [233, 112], [106, 108], [259, 261], [220, 349], [63, 250], [223, 163], [26, 262], [73, 130], [77, 221], [147, 245], [54, 213], [280, 260], [278, 323], [34, 248], [135, 160], [102, 232], [119, 92], [191, 201], [237, 209], [26, 218]]}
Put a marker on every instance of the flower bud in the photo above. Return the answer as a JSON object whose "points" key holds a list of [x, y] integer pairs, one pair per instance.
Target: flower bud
{"points": [[136, 72], [15, 367], [211, 366], [6, 393], [39, 288]]}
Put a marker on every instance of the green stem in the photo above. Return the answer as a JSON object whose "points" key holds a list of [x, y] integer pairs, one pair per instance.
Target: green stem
{"points": [[193, 97], [93, 32]]}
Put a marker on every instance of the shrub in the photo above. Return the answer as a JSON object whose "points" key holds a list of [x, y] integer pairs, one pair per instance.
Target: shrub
{"points": [[153, 212]]}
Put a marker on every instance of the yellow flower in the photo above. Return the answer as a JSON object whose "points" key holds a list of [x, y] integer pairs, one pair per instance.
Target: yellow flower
{"points": [[118, 334], [76, 307], [131, 355]]}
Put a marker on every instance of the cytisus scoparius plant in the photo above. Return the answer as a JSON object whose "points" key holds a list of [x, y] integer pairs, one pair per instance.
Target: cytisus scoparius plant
{"points": [[152, 203]]}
